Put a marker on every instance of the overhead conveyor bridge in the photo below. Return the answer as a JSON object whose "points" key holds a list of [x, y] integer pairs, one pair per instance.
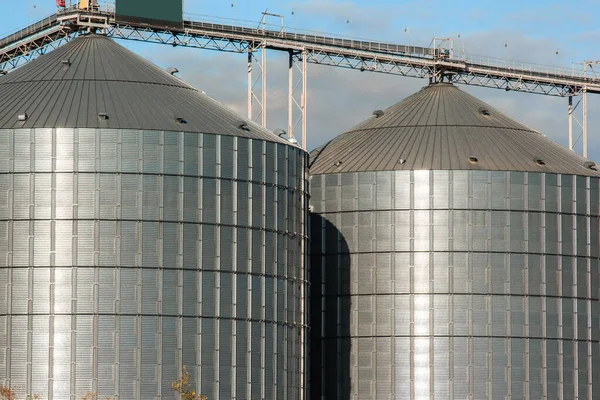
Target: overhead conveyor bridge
{"points": [[438, 62]]}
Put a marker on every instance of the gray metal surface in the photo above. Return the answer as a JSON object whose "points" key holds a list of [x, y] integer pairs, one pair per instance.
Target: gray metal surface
{"points": [[128, 253], [125, 254], [441, 128], [92, 82], [455, 285], [443, 277]]}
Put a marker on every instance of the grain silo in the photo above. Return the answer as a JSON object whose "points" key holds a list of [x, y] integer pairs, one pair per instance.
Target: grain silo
{"points": [[144, 227], [454, 256]]}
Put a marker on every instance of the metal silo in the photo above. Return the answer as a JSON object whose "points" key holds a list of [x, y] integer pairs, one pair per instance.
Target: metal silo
{"points": [[454, 255], [144, 227]]}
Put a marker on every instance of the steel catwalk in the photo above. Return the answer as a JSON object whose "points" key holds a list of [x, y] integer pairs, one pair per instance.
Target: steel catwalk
{"points": [[126, 254], [453, 284]]}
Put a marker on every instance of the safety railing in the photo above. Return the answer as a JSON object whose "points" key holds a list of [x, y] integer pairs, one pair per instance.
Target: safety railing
{"points": [[263, 30], [243, 27], [532, 68], [28, 31]]}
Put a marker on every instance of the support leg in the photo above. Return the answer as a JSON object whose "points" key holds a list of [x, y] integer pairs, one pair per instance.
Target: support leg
{"points": [[585, 137], [250, 95], [304, 97], [297, 95], [570, 122], [291, 96], [581, 122], [264, 86], [257, 111]]}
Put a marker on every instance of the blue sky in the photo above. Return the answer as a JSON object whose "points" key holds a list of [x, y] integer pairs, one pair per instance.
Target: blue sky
{"points": [[533, 31]]}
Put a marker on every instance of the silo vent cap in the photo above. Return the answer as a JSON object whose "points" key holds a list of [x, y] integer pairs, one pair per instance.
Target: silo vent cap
{"points": [[180, 120], [280, 132], [539, 161], [172, 70], [66, 62], [338, 163], [102, 116], [23, 117], [243, 125], [473, 160], [484, 111], [591, 165], [378, 113], [401, 161]]}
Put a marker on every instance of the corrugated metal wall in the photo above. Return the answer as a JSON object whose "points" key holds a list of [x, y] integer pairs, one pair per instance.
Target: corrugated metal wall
{"points": [[455, 284], [127, 254]]}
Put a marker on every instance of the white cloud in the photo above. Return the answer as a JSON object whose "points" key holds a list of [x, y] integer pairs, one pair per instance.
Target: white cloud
{"points": [[340, 98]]}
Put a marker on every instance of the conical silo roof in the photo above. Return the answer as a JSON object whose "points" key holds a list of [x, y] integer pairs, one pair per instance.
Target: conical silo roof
{"points": [[93, 82], [443, 128]]}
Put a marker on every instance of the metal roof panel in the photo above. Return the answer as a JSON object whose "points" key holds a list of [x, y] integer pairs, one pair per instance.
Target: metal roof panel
{"points": [[69, 88], [439, 128]]}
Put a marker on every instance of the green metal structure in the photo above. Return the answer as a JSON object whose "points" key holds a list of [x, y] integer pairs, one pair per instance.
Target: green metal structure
{"points": [[171, 10]]}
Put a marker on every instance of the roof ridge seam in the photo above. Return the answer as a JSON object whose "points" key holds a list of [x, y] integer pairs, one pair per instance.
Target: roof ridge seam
{"points": [[188, 87], [444, 126]]}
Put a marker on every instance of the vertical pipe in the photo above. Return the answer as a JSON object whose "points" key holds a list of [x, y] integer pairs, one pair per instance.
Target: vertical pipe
{"points": [[304, 96], [250, 85], [585, 137], [264, 86], [570, 122], [291, 96], [303, 299]]}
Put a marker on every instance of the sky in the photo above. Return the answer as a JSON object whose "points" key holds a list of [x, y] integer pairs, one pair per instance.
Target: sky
{"points": [[536, 31]]}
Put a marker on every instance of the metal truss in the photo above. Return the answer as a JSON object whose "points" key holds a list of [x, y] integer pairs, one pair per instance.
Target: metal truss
{"points": [[436, 63], [22, 52], [440, 71], [257, 87], [517, 85], [297, 94], [188, 38], [580, 121], [386, 65]]}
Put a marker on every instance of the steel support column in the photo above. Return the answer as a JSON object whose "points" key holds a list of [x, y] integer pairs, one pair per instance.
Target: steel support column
{"points": [[584, 123], [291, 96], [297, 79], [264, 85], [304, 97], [250, 92], [570, 122], [257, 87], [580, 118]]}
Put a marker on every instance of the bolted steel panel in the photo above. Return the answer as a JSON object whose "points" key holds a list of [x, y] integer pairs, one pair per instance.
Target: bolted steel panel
{"points": [[480, 284], [124, 270]]}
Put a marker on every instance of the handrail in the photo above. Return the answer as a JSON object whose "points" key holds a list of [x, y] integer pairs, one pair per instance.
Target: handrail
{"points": [[255, 32], [32, 29]]}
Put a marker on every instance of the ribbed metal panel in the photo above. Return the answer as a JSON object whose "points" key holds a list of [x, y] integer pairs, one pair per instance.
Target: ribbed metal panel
{"points": [[143, 251], [454, 285], [92, 82], [443, 128]]}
